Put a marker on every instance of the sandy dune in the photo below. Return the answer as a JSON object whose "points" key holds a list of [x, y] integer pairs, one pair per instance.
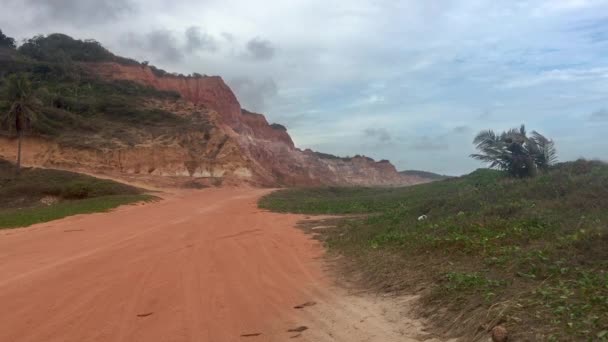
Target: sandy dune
{"points": [[197, 266]]}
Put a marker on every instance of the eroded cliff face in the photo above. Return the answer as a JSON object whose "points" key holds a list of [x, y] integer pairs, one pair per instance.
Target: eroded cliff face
{"points": [[256, 126], [210, 91], [241, 147], [190, 156]]}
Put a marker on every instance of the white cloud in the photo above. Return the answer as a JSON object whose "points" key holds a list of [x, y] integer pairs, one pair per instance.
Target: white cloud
{"points": [[558, 75], [561, 5], [420, 68], [374, 99]]}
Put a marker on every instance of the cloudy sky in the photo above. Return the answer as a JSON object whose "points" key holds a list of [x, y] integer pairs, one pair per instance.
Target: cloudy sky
{"points": [[411, 80]]}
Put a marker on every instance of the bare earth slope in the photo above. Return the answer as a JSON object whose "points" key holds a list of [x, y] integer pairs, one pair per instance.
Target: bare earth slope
{"points": [[198, 266]]}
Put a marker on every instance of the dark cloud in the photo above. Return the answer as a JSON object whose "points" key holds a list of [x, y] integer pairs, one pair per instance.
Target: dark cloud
{"points": [[593, 29], [426, 143], [380, 134], [168, 46], [197, 40], [260, 49], [600, 115], [461, 129], [158, 45], [303, 119], [228, 36], [253, 95], [293, 121], [79, 11], [165, 43], [485, 114]]}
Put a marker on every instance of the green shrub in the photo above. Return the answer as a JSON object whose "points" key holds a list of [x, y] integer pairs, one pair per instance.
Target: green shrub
{"points": [[76, 190]]}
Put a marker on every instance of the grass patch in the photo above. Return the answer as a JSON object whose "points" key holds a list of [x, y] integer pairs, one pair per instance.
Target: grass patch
{"points": [[528, 252], [40, 195], [13, 218], [33, 184]]}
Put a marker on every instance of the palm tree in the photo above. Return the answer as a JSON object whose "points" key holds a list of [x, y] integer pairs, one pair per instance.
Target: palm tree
{"points": [[21, 113], [515, 152]]}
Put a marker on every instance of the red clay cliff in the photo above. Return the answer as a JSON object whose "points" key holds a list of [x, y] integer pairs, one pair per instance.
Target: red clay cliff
{"points": [[241, 148]]}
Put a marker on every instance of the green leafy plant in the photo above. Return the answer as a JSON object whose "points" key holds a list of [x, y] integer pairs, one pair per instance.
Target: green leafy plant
{"points": [[22, 108], [515, 152], [6, 42]]}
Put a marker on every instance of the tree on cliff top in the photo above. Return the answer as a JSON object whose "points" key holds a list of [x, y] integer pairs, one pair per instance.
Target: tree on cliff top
{"points": [[6, 41], [22, 103], [57, 47]]}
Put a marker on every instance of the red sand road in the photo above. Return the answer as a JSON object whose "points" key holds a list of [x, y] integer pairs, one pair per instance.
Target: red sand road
{"points": [[197, 266]]}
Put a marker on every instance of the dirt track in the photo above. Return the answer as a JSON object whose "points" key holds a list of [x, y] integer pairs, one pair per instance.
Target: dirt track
{"points": [[197, 266]]}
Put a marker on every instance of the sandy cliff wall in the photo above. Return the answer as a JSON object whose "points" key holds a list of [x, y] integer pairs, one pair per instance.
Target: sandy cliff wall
{"points": [[243, 145], [210, 91], [257, 126], [191, 156]]}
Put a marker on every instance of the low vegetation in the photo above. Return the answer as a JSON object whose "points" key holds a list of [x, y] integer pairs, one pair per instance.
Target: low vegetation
{"points": [[278, 127], [60, 48], [27, 216], [528, 253], [40, 195], [6, 42], [424, 174], [75, 107]]}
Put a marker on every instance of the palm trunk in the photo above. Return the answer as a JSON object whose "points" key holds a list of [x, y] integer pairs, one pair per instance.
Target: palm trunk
{"points": [[19, 151]]}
